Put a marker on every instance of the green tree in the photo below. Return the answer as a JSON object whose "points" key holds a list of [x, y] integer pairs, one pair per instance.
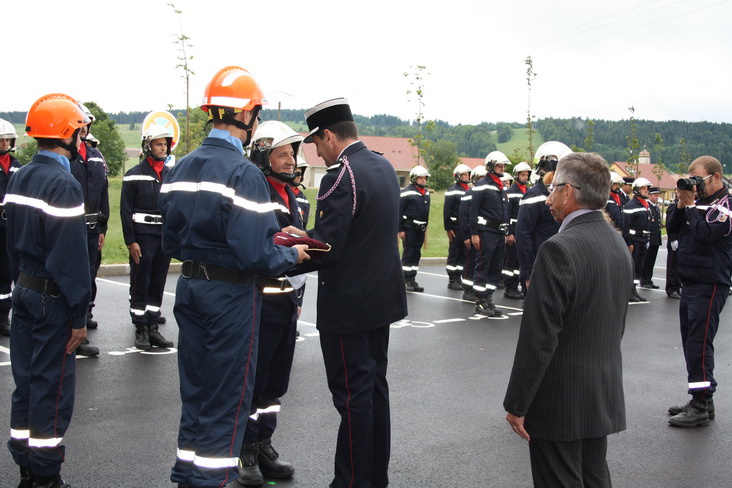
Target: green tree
{"points": [[658, 168], [590, 137], [195, 132], [184, 64], [24, 153], [504, 133], [441, 158], [530, 77], [633, 144], [684, 157], [418, 74], [110, 142]]}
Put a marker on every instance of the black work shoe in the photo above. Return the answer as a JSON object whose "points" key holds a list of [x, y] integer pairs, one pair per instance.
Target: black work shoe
{"points": [[635, 297], [675, 410], [162, 320], [695, 414], [413, 286], [455, 285], [469, 295], [52, 482], [5, 326], [86, 349], [674, 294], [156, 339], [26, 478], [249, 473], [649, 284], [142, 337], [513, 294], [91, 323], [270, 463], [484, 307]]}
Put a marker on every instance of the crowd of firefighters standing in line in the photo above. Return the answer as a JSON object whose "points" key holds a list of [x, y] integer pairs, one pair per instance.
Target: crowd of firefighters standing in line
{"points": [[495, 228]]}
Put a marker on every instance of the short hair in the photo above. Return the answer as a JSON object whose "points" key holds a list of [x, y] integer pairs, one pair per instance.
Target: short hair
{"points": [[48, 144], [710, 164], [343, 130], [590, 173]]}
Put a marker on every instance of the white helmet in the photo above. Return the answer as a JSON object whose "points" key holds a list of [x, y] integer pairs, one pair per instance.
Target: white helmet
{"points": [[641, 182], [548, 155], [506, 177], [418, 171], [87, 112], [522, 166], [494, 158], [460, 169], [91, 139], [616, 178], [7, 131], [152, 133], [301, 163], [478, 172], [271, 134]]}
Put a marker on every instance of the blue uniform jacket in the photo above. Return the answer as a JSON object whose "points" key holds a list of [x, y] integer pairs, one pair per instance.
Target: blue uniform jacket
{"points": [[514, 194], [488, 206], [464, 214], [705, 240], [637, 221], [216, 210], [140, 192], [535, 225], [4, 178], [46, 232], [92, 176], [451, 209], [414, 208]]}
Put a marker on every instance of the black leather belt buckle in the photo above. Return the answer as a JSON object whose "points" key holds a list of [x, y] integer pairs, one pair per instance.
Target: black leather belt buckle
{"points": [[41, 285]]}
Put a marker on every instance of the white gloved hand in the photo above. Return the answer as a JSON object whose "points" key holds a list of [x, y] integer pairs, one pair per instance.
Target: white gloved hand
{"points": [[674, 245]]}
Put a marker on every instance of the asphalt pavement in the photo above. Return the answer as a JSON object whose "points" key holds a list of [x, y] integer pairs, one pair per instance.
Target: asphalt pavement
{"points": [[448, 372]]}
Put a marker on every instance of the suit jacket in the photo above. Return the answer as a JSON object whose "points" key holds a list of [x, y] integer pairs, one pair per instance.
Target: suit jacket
{"points": [[567, 377], [360, 281]]}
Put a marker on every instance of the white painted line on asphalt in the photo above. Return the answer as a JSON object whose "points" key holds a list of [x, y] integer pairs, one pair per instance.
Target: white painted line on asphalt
{"points": [[6, 363], [447, 321], [4, 349]]}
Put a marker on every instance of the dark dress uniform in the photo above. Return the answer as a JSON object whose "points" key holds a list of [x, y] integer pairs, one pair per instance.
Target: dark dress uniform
{"points": [[143, 224], [360, 293], [614, 210], [511, 271], [304, 204], [654, 242], [705, 267], [6, 277], [488, 219], [470, 252], [637, 216], [535, 224], [90, 170], [673, 282], [456, 250], [47, 248], [218, 218], [414, 208]]}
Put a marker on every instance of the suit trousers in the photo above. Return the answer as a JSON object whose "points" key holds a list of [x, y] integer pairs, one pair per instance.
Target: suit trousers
{"points": [[355, 365], [412, 252], [147, 279], [573, 464], [699, 310]]}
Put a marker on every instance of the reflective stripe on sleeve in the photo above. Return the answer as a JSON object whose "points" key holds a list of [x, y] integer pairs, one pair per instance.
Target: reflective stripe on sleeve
{"points": [[223, 190], [6, 296], [138, 178], [485, 187], [532, 200], [410, 193], [43, 206]]}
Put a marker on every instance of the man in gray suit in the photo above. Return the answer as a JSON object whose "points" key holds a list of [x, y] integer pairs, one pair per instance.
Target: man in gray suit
{"points": [[565, 394]]}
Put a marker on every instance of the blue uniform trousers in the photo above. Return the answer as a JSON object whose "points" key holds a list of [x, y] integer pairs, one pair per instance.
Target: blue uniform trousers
{"points": [[45, 379], [218, 333], [511, 270], [94, 263], [6, 276], [355, 365], [489, 263], [469, 267], [147, 280], [412, 252], [699, 312], [455, 257]]}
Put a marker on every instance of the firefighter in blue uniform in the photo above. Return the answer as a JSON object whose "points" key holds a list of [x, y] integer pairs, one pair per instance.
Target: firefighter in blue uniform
{"points": [[464, 223], [9, 165], [637, 216], [703, 222], [142, 228], [654, 242], [450, 213], [535, 223], [515, 193], [614, 207], [414, 208], [360, 291], [673, 282], [302, 201], [274, 150], [218, 220], [50, 266], [89, 169], [488, 221]]}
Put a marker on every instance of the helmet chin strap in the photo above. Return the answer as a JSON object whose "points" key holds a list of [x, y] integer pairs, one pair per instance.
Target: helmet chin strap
{"points": [[230, 119], [71, 148]]}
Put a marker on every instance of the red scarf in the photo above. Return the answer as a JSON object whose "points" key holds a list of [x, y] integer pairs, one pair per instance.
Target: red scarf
{"points": [[280, 189], [615, 197], [421, 190], [82, 151], [497, 180], [157, 166], [643, 201], [5, 162], [464, 186], [522, 188]]}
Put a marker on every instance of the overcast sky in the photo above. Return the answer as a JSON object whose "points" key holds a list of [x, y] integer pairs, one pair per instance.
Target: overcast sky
{"points": [[670, 59]]}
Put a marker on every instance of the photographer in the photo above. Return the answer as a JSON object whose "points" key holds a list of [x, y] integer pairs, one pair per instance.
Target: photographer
{"points": [[702, 222]]}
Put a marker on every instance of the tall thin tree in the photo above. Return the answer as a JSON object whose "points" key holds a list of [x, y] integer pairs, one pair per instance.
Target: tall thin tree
{"points": [[184, 59]]}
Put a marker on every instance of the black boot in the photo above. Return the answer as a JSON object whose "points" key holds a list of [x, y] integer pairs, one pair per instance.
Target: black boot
{"points": [[696, 413], [270, 463], [86, 349], [142, 337], [249, 473], [413, 285], [513, 294], [678, 409], [156, 339], [635, 297], [50, 482], [468, 294], [4, 325], [26, 478], [454, 284]]}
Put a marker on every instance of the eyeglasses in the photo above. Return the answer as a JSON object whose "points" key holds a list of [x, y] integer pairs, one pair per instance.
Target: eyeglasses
{"points": [[551, 188]]}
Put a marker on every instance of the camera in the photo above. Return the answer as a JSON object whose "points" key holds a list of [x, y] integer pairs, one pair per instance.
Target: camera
{"points": [[690, 182]]}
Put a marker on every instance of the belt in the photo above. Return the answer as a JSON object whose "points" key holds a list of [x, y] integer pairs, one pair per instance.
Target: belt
{"points": [[417, 223], [209, 272], [143, 218], [93, 219], [644, 233], [493, 224], [47, 287]]}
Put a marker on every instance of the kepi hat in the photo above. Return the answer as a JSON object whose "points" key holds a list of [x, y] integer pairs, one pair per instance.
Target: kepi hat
{"points": [[325, 114]]}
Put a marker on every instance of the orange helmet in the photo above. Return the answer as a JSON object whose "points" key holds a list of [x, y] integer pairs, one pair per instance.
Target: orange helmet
{"points": [[234, 88], [54, 116]]}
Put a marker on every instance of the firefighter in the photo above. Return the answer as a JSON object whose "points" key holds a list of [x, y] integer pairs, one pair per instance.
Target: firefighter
{"points": [[219, 221], [515, 193], [50, 266], [142, 227], [463, 221], [414, 208], [451, 211], [302, 200], [9, 165], [637, 216]]}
